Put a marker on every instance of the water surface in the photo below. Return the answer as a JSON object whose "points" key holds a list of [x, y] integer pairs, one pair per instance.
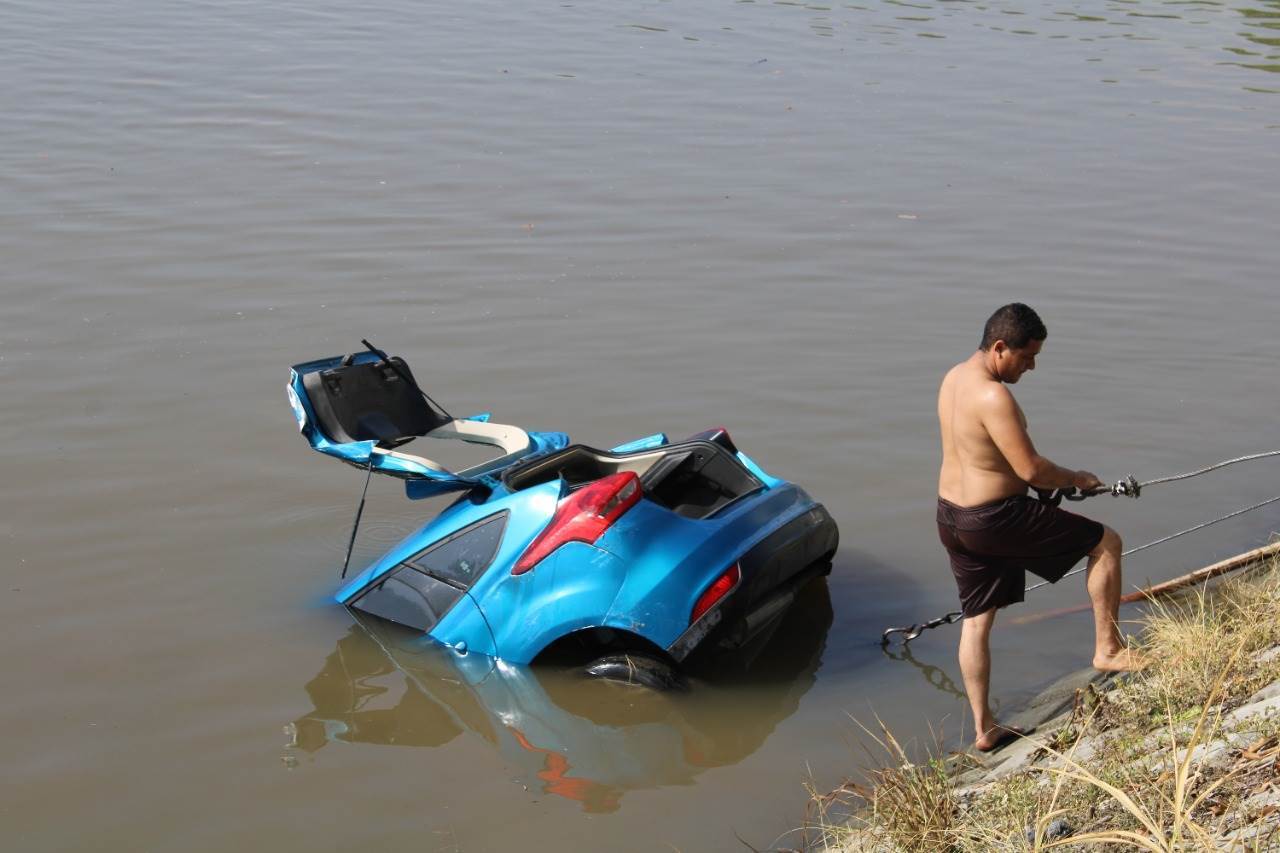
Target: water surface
{"points": [[787, 218]]}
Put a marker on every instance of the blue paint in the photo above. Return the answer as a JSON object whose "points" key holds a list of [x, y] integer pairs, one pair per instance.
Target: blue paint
{"points": [[643, 575]]}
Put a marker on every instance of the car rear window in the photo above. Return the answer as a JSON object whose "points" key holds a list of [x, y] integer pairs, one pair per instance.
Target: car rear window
{"points": [[421, 590], [409, 598], [464, 556]]}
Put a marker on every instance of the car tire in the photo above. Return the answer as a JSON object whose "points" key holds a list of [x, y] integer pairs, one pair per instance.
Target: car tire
{"points": [[637, 669]]}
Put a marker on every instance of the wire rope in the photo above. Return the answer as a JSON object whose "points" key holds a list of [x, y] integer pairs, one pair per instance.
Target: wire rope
{"points": [[1129, 486], [1164, 539], [1222, 464]]}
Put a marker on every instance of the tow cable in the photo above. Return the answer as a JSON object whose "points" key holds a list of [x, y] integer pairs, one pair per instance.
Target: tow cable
{"points": [[1128, 487]]}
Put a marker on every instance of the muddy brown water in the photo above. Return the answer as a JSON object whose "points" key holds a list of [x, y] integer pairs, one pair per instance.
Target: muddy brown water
{"points": [[786, 218]]}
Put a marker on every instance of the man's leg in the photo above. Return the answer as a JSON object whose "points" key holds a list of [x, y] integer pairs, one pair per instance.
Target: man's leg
{"points": [[975, 666], [1102, 580]]}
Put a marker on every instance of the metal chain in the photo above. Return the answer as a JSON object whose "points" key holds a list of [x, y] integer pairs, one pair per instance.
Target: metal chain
{"points": [[910, 633]]}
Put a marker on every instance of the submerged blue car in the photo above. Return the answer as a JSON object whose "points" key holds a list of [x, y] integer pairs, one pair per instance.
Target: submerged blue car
{"points": [[625, 561]]}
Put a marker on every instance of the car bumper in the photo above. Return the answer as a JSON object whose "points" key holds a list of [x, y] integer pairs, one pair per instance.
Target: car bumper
{"points": [[773, 571]]}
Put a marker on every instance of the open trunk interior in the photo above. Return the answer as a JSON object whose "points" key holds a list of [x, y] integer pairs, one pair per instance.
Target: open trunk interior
{"points": [[693, 479]]}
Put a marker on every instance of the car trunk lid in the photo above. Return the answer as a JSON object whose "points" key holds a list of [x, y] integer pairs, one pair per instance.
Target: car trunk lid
{"points": [[363, 407]]}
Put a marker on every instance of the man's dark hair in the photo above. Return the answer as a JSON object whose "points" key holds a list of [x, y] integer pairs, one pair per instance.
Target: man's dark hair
{"points": [[1015, 324]]}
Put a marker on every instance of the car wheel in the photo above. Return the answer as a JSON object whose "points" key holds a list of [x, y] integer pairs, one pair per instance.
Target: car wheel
{"points": [[637, 669]]}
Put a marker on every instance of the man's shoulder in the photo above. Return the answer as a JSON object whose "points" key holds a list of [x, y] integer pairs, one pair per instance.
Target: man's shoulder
{"points": [[991, 392], [979, 389], [973, 379], [955, 373]]}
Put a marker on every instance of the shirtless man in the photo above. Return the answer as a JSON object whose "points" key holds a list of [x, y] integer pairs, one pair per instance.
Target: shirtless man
{"points": [[993, 531]]}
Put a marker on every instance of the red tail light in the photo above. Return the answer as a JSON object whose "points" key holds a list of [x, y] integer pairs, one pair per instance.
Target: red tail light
{"points": [[583, 516], [718, 590]]}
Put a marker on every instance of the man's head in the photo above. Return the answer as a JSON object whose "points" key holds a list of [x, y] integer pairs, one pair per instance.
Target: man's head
{"points": [[1011, 340]]}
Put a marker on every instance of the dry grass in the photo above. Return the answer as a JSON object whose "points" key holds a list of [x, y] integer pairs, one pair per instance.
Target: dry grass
{"points": [[1194, 637], [1165, 808], [911, 802], [904, 803], [1157, 776]]}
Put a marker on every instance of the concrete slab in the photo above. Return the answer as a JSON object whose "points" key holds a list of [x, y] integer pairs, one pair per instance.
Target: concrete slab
{"points": [[1272, 689], [1264, 707]]}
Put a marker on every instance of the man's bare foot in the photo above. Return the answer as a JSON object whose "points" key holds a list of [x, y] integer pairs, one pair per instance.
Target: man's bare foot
{"points": [[1125, 660], [999, 735]]}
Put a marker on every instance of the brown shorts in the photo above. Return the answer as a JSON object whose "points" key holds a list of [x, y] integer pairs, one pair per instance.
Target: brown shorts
{"points": [[992, 546]]}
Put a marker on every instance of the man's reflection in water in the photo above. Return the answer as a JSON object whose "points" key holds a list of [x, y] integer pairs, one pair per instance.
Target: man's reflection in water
{"points": [[588, 741]]}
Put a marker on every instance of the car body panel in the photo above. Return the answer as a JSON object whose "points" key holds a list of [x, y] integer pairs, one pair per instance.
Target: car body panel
{"points": [[642, 575], [658, 439], [568, 591], [465, 629], [673, 559], [528, 512]]}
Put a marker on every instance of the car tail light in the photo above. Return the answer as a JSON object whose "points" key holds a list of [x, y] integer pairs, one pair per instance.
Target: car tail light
{"points": [[583, 516], [718, 590]]}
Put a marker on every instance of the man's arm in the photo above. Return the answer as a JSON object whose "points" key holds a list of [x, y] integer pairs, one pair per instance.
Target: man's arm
{"points": [[1000, 418]]}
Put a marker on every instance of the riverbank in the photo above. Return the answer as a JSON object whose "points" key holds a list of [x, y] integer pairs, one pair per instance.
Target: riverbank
{"points": [[1182, 756]]}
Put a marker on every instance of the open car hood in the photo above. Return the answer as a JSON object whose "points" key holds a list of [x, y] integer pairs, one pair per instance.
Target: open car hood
{"points": [[363, 407]]}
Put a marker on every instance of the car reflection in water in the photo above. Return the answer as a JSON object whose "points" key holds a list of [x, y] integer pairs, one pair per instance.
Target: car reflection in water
{"points": [[585, 740]]}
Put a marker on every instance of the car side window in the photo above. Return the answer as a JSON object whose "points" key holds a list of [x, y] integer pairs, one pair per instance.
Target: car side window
{"points": [[407, 597], [463, 557]]}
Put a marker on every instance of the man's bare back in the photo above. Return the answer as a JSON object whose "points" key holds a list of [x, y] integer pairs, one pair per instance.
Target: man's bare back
{"points": [[987, 454]]}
